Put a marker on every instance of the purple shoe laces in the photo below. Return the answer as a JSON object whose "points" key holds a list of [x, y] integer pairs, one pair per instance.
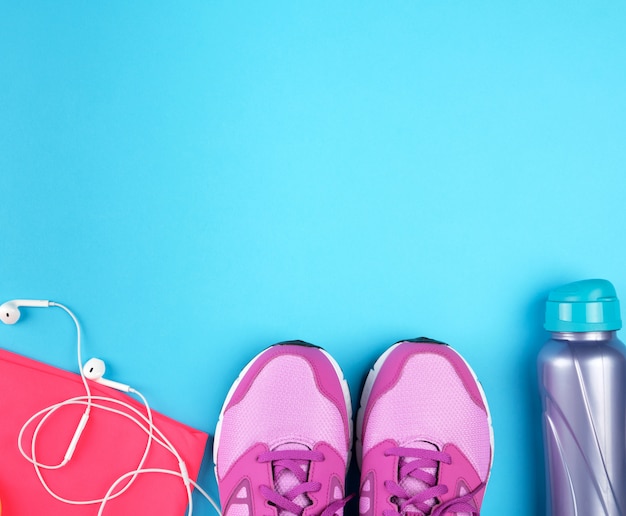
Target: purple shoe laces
{"points": [[293, 462], [421, 503]]}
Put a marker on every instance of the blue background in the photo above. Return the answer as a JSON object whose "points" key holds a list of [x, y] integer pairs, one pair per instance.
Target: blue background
{"points": [[198, 180]]}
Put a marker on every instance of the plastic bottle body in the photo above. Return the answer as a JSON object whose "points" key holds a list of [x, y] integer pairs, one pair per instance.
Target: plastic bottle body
{"points": [[582, 380]]}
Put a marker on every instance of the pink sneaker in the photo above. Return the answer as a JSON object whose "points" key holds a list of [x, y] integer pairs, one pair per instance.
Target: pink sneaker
{"points": [[424, 436], [283, 440]]}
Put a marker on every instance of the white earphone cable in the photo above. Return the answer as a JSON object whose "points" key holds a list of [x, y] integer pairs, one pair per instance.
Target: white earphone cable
{"points": [[88, 401], [144, 422], [161, 471]]}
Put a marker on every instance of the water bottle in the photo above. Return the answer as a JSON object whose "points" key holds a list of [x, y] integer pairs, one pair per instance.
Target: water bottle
{"points": [[582, 379]]}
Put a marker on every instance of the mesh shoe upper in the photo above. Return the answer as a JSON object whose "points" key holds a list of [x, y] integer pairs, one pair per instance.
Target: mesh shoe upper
{"points": [[283, 440], [425, 434]]}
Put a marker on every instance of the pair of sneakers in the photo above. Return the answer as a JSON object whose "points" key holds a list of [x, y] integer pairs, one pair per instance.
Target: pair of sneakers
{"points": [[424, 441]]}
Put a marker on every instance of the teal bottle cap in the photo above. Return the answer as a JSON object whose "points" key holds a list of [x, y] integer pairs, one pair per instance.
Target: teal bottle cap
{"points": [[582, 306]]}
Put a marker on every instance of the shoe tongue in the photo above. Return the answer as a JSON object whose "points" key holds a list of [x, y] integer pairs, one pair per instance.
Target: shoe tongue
{"points": [[285, 480], [414, 485]]}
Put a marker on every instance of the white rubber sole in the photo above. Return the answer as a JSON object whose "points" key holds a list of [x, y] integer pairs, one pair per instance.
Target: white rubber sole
{"points": [[367, 391], [344, 387]]}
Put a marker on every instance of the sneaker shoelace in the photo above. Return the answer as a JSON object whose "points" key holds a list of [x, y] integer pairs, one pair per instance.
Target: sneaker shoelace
{"points": [[294, 465], [421, 465]]}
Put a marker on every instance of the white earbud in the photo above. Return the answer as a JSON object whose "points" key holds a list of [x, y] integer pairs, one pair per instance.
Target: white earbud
{"points": [[10, 313], [94, 369]]}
